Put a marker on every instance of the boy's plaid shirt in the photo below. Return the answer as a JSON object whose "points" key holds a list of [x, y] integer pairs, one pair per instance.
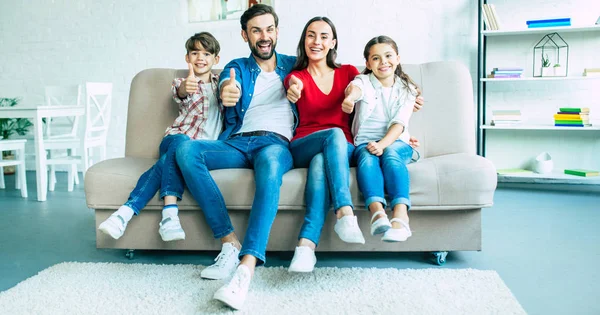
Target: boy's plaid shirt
{"points": [[193, 109]]}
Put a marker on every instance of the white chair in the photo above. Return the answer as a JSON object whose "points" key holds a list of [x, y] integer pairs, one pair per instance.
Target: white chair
{"points": [[19, 147], [98, 105], [62, 133]]}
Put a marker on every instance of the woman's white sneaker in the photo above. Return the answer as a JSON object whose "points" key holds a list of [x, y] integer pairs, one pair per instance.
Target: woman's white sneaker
{"points": [[304, 260], [224, 265], [347, 229]]}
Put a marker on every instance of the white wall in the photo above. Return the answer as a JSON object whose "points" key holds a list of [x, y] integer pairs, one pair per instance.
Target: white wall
{"points": [[45, 42]]}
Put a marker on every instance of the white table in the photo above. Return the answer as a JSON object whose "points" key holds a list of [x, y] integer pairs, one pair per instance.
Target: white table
{"points": [[36, 113]]}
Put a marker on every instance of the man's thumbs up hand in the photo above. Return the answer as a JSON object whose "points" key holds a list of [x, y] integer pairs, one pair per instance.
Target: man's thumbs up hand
{"points": [[294, 92], [230, 93]]}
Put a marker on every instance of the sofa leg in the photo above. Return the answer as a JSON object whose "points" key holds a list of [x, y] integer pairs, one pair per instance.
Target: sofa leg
{"points": [[439, 257], [129, 254]]}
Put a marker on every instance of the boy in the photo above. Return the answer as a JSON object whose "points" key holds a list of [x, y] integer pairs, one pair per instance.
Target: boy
{"points": [[200, 117]]}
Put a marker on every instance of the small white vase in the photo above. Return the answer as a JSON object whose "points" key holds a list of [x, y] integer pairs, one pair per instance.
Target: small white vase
{"points": [[543, 163], [557, 71], [547, 72]]}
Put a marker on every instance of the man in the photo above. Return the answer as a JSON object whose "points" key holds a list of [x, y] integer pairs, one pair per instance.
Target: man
{"points": [[259, 122]]}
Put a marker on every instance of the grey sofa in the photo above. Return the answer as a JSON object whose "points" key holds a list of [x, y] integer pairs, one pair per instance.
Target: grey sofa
{"points": [[449, 185]]}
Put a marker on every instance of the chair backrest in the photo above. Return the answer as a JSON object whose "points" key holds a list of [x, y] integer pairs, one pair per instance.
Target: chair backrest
{"points": [[98, 102], [58, 127]]}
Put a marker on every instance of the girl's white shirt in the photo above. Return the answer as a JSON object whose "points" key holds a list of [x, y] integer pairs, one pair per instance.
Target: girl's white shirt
{"points": [[398, 108]]}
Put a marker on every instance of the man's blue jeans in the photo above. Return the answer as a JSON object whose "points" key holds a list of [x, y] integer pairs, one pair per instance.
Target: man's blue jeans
{"points": [[326, 153], [270, 158], [164, 174], [389, 170]]}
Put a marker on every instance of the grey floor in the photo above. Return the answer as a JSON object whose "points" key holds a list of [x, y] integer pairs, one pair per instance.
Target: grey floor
{"points": [[544, 243]]}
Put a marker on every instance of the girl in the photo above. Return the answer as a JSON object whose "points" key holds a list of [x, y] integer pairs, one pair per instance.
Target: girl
{"points": [[385, 97]]}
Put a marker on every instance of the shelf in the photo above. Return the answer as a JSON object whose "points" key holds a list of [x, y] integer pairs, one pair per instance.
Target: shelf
{"points": [[541, 78], [562, 29], [540, 127], [551, 178]]}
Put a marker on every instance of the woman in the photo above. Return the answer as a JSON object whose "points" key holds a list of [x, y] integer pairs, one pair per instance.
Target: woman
{"points": [[323, 140]]}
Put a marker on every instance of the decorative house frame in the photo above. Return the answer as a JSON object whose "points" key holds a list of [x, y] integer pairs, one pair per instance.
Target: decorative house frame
{"points": [[555, 48]]}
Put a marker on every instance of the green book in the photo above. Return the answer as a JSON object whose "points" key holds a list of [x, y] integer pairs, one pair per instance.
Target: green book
{"points": [[569, 122], [575, 109], [581, 172]]}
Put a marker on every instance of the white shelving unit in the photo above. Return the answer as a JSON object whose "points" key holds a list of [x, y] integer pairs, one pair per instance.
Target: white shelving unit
{"points": [[527, 131]]}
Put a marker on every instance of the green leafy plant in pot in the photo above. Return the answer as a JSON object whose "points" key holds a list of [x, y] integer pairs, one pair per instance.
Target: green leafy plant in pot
{"points": [[10, 126]]}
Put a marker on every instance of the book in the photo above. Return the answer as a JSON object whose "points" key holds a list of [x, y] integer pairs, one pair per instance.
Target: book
{"points": [[571, 117], [506, 112], [495, 16], [549, 20], [553, 24], [508, 171], [582, 172], [488, 12], [511, 69], [572, 122], [569, 125], [486, 19], [575, 109]]}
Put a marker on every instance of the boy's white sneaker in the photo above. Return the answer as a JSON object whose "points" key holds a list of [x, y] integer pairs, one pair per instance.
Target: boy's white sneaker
{"points": [[114, 226], [347, 229], [170, 229], [235, 291], [224, 265], [304, 260]]}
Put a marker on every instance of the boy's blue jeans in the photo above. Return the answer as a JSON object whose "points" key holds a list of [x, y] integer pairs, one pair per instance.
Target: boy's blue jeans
{"points": [[163, 175], [270, 158], [389, 170], [326, 153]]}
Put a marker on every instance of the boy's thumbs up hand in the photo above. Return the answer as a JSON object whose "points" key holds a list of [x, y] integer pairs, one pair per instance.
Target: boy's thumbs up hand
{"points": [[230, 93], [294, 92], [189, 85]]}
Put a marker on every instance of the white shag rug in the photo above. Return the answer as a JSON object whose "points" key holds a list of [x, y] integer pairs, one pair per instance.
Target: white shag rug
{"points": [[116, 288]]}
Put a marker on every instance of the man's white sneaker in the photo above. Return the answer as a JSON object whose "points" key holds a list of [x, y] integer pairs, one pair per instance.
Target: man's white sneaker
{"points": [[170, 229], [304, 260], [224, 265], [114, 226], [347, 229], [234, 293]]}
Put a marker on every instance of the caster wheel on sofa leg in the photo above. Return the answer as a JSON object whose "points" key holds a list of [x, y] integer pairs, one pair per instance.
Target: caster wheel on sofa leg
{"points": [[129, 254], [440, 257]]}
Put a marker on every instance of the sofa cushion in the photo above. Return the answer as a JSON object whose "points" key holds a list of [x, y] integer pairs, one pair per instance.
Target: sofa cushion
{"points": [[449, 182]]}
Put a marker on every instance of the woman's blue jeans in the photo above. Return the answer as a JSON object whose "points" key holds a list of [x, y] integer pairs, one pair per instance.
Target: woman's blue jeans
{"points": [[164, 175], [326, 153], [389, 170]]}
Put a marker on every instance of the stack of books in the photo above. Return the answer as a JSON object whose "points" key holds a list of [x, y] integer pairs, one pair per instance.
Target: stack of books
{"points": [[549, 23], [572, 117], [506, 73], [490, 17], [506, 117], [591, 72]]}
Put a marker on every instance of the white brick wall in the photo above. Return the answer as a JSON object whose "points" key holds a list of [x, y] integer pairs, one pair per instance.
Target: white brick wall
{"points": [[65, 42]]}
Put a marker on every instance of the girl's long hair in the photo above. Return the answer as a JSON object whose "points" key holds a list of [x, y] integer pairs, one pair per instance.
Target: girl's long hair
{"points": [[302, 60], [382, 39]]}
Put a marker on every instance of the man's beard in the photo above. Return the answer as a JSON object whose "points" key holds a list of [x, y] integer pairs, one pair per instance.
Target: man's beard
{"points": [[256, 51]]}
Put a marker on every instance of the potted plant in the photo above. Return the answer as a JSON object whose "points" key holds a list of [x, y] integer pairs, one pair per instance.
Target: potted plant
{"points": [[10, 126], [546, 71], [557, 70]]}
